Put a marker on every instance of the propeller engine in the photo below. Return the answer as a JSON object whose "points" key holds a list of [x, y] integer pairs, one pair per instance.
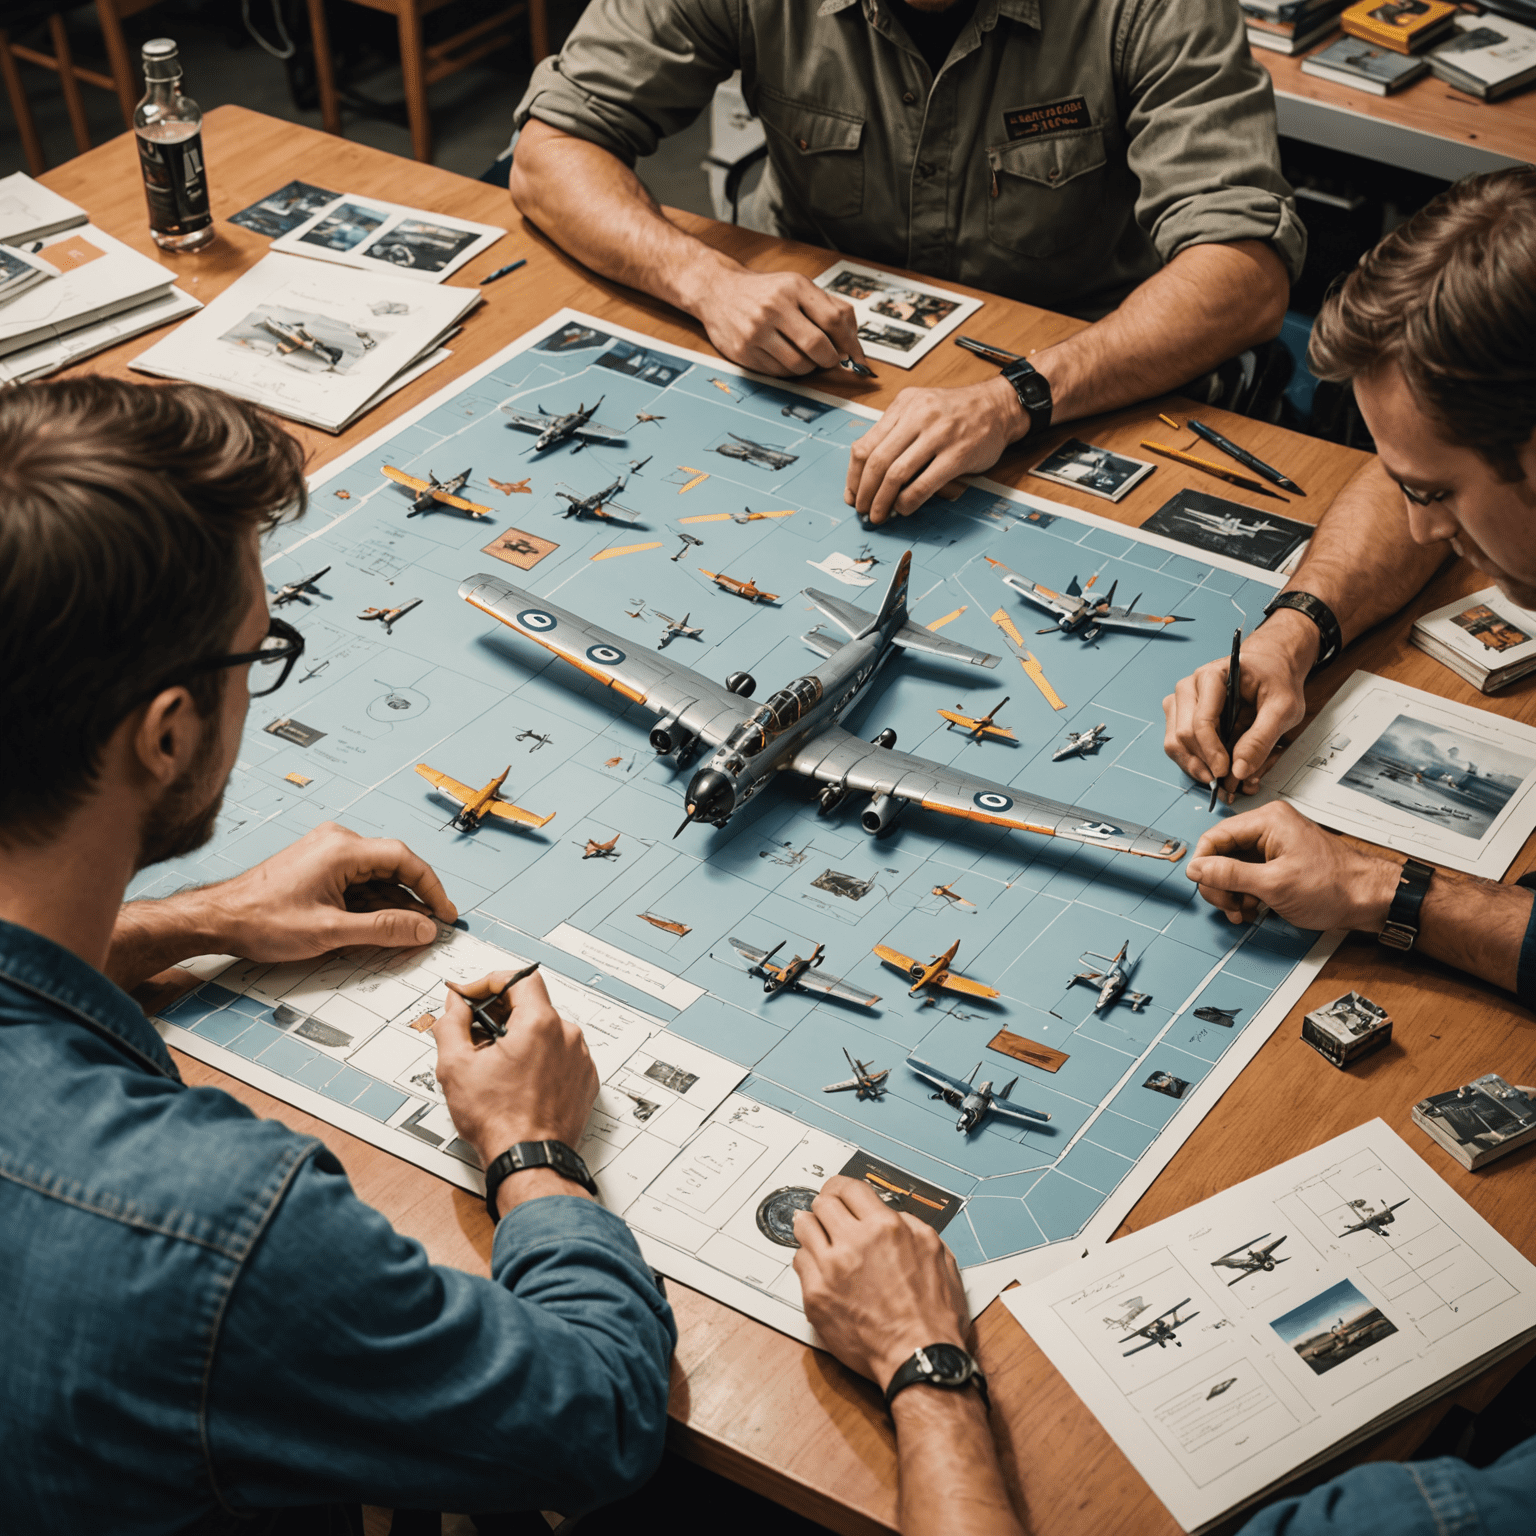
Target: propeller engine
{"points": [[742, 684], [880, 815]]}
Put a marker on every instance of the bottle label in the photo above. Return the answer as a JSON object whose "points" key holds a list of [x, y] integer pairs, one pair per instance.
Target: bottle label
{"points": [[175, 185]]}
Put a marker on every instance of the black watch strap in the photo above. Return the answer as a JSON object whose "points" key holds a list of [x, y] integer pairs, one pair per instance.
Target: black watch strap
{"points": [[939, 1365], [1332, 637], [535, 1154], [1402, 927], [1033, 390]]}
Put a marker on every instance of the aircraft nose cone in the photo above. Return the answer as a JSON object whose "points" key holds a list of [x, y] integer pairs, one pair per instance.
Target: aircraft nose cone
{"points": [[710, 795]]}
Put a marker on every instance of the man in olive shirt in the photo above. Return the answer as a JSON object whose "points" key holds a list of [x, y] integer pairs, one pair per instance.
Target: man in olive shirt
{"points": [[1112, 159]]}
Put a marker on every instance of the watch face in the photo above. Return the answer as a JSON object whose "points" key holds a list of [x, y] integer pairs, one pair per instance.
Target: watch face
{"points": [[949, 1362]]}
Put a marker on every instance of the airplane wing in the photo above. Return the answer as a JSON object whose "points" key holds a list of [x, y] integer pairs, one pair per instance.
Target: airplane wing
{"points": [[1037, 593], [952, 982], [509, 812], [1089, 976], [835, 755], [1018, 1113], [749, 952], [609, 507], [461, 504], [1124, 618], [445, 785], [852, 1083], [853, 621], [894, 957], [594, 433], [400, 477], [662, 686], [835, 986], [940, 1080], [528, 421]]}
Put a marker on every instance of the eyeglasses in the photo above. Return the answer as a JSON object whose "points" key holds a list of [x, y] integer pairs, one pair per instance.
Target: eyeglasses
{"points": [[283, 643], [1419, 499]]}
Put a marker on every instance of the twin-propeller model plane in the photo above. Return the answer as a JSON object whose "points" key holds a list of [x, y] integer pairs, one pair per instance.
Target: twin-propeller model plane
{"points": [[1078, 613], [1112, 982], [433, 493], [936, 973], [974, 1100], [554, 429], [978, 727], [476, 804], [601, 503], [866, 1081], [297, 591], [1250, 1259], [797, 974], [1160, 1330]]}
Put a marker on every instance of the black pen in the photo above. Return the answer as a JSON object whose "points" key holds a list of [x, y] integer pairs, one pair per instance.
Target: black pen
{"points": [[511, 266], [1228, 725], [858, 368], [1232, 451], [991, 353], [480, 1012]]}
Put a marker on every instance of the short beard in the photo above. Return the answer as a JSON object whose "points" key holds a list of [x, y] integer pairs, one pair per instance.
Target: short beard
{"points": [[181, 820]]}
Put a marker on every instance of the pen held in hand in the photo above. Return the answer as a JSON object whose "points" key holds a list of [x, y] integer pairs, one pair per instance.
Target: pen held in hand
{"points": [[1227, 726], [480, 1013], [858, 368]]}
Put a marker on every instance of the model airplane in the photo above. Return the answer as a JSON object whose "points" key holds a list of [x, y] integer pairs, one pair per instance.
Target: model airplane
{"points": [[1253, 1260], [1088, 616], [295, 338], [978, 727], [935, 974], [1081, 743], [476, 804], [433, 493], [511, 487], [597, 850], [974, 1100], [1112, 983], [672, 628], [389, 617], [760, 454], [1133, 1309], [799, 975], [1226, 1017], [866, 1081], [641, 417], [949, 893], [1229, 526], [798, 728], [747, 589], [556, 429], [1372, 1221], [538, 739], [296, 591], [599, 502], [1160, 1331]]}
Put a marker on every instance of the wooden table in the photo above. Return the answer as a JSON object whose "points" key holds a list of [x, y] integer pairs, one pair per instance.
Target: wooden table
{"points": [[746, 1401]]}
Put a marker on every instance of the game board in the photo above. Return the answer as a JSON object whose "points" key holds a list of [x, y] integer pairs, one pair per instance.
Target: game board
{"points": [[635, 939]]}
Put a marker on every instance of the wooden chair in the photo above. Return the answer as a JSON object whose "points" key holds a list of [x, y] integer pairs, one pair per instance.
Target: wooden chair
{"points": [[123, 81], [424, 66]]}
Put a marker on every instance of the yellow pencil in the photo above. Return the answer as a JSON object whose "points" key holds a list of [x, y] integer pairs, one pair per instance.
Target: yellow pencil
{"points": [[1221, 473], [1168, 421]]}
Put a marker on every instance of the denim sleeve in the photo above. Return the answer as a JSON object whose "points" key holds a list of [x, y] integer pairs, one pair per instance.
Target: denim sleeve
{"points": [[348, 1366], [1525, 974], [1413, 1498]]}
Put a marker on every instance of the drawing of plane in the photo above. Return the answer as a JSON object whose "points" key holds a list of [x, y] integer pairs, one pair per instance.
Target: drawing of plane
{"points": [[974, 1100], [800, 975], [641, 417], [949, 893], [1371, 1220], [1220, 1387], [1228, 525], [866, 1082], [296, 591], [760, 454], [797, 727], [535, 737], [556, 429], [477, 804], [978, 727], [1077, 613], [1112, 983], [599, 502], [389, 617], [674, 627], [1226, 1017], [597, 850], [935, 974], [512, 487], [295, 338], [433, 493], [747, 589], [1081, 743], [1159, 1331], [1133, 1309], [519, 546], [1254, 1260]]}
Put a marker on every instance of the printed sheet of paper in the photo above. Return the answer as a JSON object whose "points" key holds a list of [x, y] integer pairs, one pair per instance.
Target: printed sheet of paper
{"points": [[900, 320], [1229, 1347], [1415, 772], [376, 236]]}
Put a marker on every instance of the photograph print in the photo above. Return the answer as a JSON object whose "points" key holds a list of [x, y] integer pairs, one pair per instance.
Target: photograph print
{"points": [[283, 210], [1334, 1326], [1438, 775], [636, 362], [1491, 628], [303, 339], [1223, 527], [345, 226], [894, 337], [859, 286], [924, 309], [421, 246], [1094, 470]]}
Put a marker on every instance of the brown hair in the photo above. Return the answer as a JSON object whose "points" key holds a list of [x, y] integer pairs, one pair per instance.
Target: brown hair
{"points": [[1449, 297], [124, 509]]}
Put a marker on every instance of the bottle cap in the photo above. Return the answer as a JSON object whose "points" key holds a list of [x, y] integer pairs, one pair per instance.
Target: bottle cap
{"points": [[161, 60]]}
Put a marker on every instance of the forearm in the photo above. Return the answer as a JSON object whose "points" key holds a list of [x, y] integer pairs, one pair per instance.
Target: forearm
{"points": [[1476, 925], [951, 1484], [151, 936]]}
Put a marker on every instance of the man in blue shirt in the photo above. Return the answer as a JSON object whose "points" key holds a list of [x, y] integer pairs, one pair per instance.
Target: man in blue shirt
{"points": [[201, 1327]]}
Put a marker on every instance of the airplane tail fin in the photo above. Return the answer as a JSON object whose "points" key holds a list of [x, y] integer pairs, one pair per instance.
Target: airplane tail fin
{"points": [[894, 605], [1009, 1089], [1109, 600], [974, 1071], [1073, 588]]}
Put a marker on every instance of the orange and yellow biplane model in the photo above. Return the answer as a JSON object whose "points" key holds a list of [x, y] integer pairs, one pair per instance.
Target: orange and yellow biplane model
{"points": [[476, 804], [433, 493], [935, 974], [979, 727], [747, 589]]}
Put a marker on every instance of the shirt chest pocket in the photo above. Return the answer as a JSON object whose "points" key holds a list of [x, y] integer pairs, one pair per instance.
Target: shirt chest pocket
{"points": [[817, 151], [1046, 193]]}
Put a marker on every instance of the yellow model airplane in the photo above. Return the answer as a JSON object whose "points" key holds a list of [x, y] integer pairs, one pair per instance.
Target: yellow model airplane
{"points": [[935, 974], [476, 804], [433, 492], [747, 589], [979, 727]]}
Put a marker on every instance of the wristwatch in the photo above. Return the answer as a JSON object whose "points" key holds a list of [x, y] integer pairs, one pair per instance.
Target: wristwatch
{"points": [[1332, 637], [1033, 390], [1403, 915], [535, 1154], [939, 1365]]}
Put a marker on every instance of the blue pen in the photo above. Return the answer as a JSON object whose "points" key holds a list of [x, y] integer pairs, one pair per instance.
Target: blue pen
{"points": [[511, 266]]}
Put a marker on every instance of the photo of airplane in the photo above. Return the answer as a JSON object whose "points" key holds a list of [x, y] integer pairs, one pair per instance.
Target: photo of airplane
{"points": [[389, 617], [671, 628], [866, 1082], [574, 427], [295, 338], [760, 454], [1250, 1259], [974, 1100], [476, 804], [297, 591], [1373, 1220], [1133, 1309], [1081, 743], [797, 974], [734, 584], [1229, 526], [433, 493], [797, 727], [512, 487], [597, 850], [1112, 982], [978, 727], [599, 503], [1160, 1330], [1077, 613], [935, 974]]}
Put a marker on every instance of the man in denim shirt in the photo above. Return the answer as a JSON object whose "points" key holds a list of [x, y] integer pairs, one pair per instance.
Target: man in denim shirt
{"points": [[201, 1327]]}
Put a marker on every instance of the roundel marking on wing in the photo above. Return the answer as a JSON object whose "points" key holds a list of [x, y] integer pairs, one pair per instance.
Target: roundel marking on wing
{"points": [[1098, 829], [990, 800], [605, 655], [537, 620]]}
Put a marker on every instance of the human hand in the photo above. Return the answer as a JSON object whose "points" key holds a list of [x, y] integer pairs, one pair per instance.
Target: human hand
{"points": [[876, 1285], [774, 322], [1308, 876], [1272, 681], [925, 439], [535, 1083]]}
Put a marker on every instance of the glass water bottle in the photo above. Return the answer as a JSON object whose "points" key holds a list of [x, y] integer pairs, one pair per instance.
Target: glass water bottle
{"points": [[169, 127]]}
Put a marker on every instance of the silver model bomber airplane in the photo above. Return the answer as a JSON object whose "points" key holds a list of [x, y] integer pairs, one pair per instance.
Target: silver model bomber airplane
{"points": [[797, 727], [556, 429], [1077, 613]]}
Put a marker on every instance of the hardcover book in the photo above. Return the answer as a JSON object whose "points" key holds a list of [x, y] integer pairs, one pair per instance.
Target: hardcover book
{"points": [[1487, 58], [1404, 26], [1480, 1121], [1364, 66], [1484, 638]]}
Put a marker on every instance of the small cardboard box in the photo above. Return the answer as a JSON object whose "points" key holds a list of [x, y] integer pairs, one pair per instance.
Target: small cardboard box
{"points": [[1346, 1029]]}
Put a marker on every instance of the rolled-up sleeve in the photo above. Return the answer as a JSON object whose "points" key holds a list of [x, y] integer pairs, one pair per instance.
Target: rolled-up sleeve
{"points": [[634, 71], [348, 1366], [1200, 119]]}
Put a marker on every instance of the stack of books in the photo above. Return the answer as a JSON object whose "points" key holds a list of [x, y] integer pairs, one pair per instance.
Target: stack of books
{"points": [[1289, 26], [1365, 66], [1487, 58], [1404, 26], [1483, 638], [1480, 1121]]}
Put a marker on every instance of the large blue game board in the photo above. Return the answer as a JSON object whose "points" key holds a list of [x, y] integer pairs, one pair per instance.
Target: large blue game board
{"points": [[447, 687]]}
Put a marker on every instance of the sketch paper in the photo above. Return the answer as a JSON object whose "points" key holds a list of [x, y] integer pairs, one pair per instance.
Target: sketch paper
{"points": [[30, 211], [376, 236], [1384, 1289], [21, 270], [46, 357], [1415, 772], [900, 320]]}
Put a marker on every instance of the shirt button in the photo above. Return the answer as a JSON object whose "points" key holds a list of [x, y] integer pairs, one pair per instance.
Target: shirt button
{"points": [[1053, 174], [802, 143], [908, 97]]}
